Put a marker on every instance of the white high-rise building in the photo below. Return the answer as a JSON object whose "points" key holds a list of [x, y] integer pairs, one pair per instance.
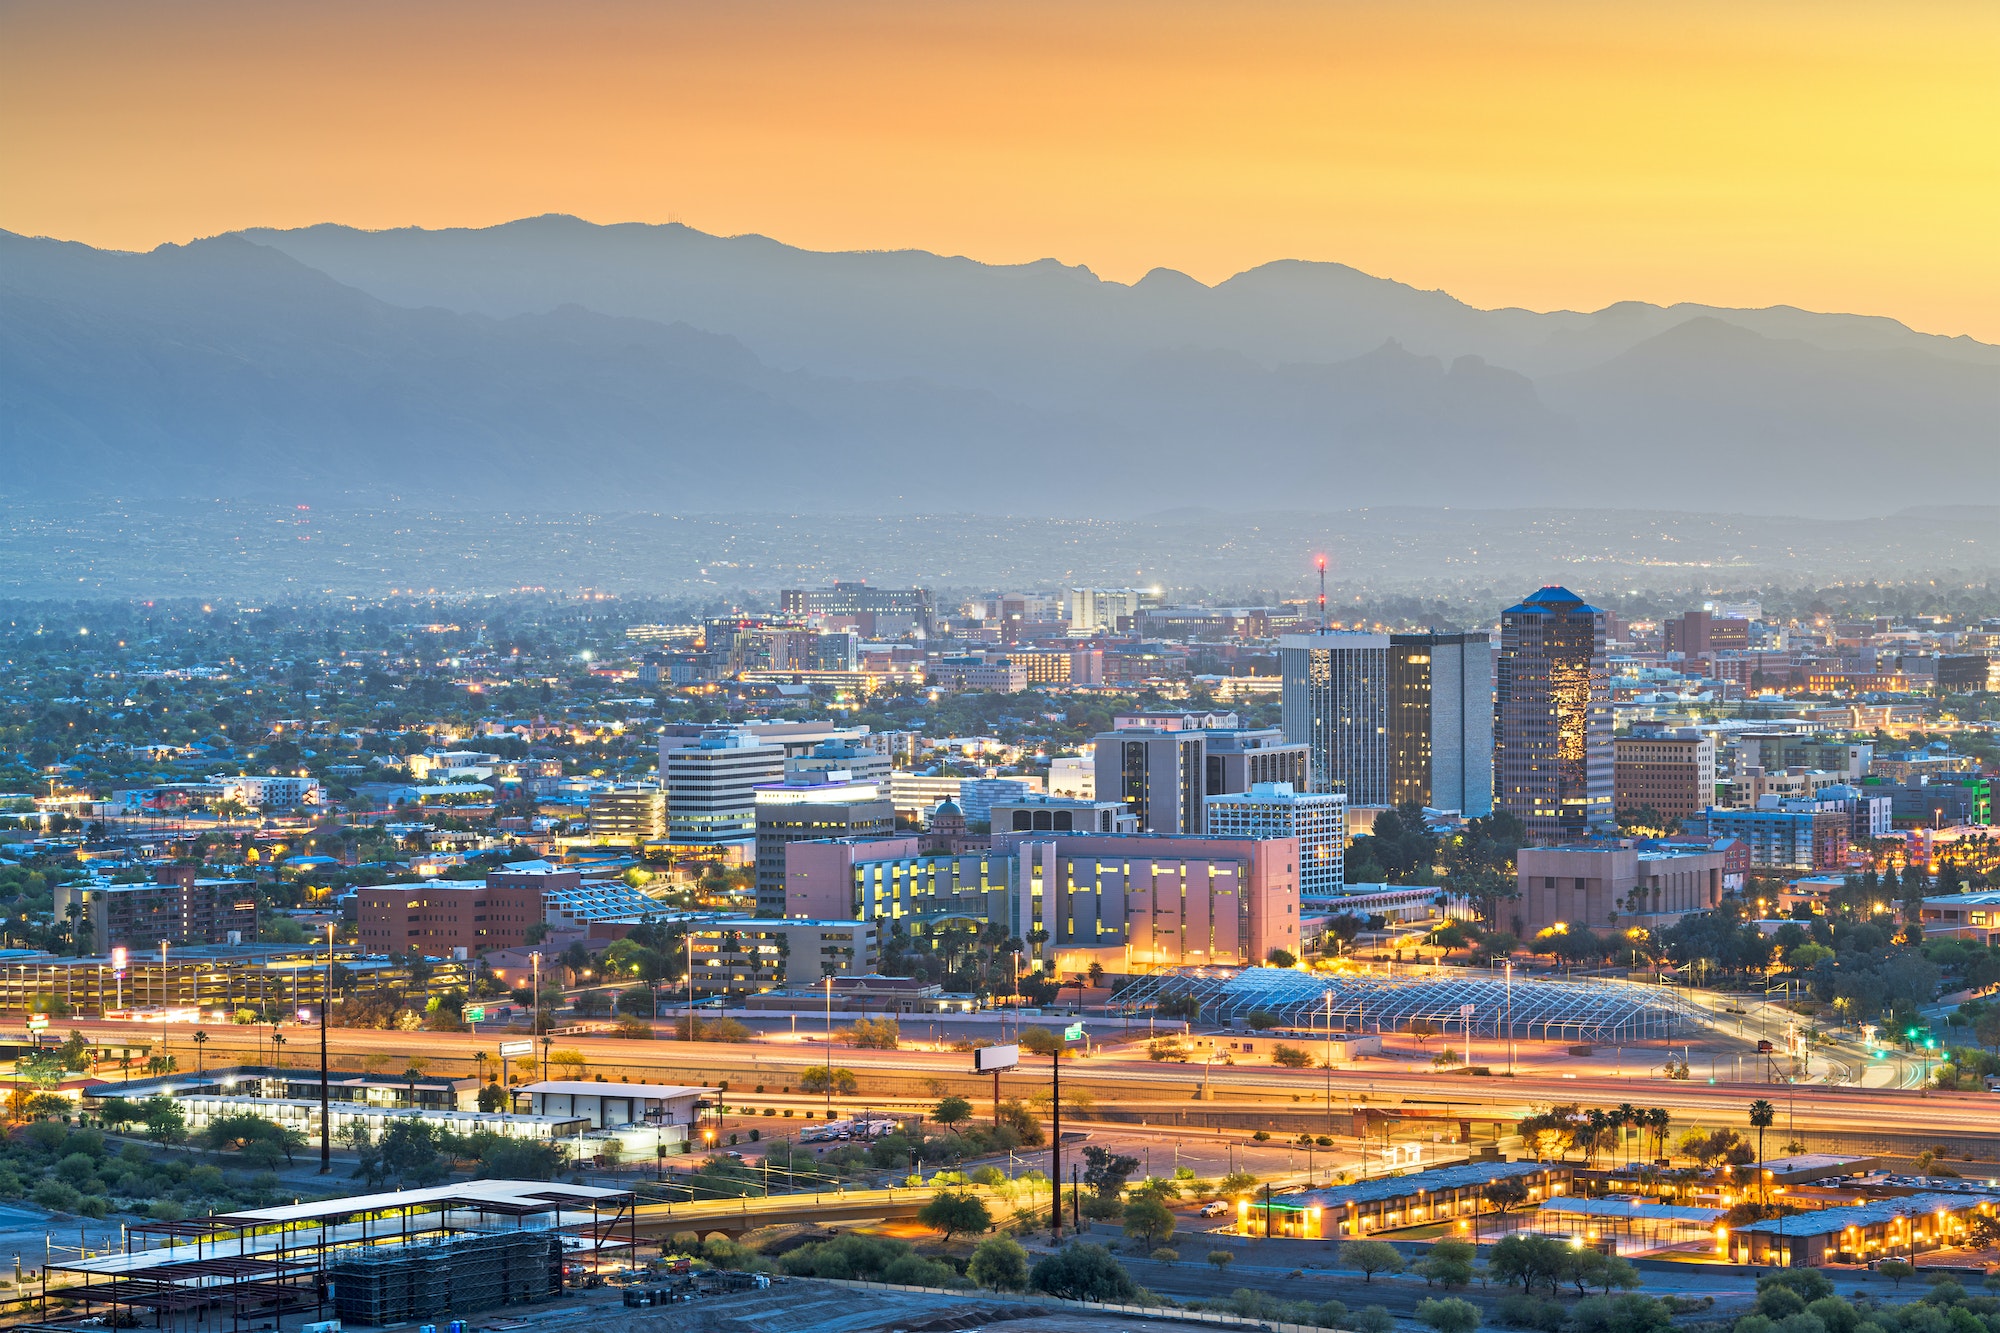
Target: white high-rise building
{"points": [[711, 786], [1274, 810]]}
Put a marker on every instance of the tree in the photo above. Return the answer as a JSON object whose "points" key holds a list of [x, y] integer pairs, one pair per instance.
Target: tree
{"points": [[1040, 1041], [407, 1152], [1450, 1315], [1083, 1272], [1106, 1172], [1149, 1219], [952, 1112], [819, 1079], [1371, 1257], [1373, 1319], [1449, 1263], [1895, 1270], [1423, 1030], [1019, 1117], [1529, 1260], [1291, 1057], [875, 1034], [1221, 1259], [1510, 1192], [950, 1213], [1593, 1268], [999, 1263], [1261, 1020], [1762, 1115], [1281, 958], [166, 1123]]}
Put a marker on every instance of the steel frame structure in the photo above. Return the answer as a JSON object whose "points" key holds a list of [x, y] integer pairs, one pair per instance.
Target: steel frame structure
{"points": [[265, 1262], [1530, 1009]]}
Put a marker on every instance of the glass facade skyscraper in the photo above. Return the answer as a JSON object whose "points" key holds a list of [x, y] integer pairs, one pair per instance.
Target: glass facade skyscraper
{"points": [[1336, 703], [1552, 717]]}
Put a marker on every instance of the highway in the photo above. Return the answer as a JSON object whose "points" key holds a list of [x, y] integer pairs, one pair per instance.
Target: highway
{"points": [[1124, 1081]]}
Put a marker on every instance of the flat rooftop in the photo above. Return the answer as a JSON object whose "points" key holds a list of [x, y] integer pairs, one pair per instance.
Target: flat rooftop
{"points": [[1458, 1176]]}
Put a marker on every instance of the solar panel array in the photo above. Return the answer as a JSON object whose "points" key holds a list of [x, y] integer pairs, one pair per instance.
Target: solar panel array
{"points": [[1531, 1008]]}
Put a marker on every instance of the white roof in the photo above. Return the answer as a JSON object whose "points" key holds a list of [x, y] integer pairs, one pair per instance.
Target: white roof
{"points": [[590, 1088], [493, 1191]]}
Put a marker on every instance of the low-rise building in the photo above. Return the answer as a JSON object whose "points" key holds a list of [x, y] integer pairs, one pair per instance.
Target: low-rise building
{"points": [[441, 916], [1442, 1194], [1612, 885], [612, 1105], [1891, 1228], [1796, 836], [749, 955]]}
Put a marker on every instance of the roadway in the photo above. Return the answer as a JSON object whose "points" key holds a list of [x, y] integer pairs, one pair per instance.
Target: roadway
{"points": [[887, 1076]]}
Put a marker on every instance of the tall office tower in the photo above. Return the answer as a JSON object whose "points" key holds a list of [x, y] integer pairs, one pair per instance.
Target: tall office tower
{"points": [[1273, 810], [1336, 703], [1552, 716], [1160, 776], [1441, 722]]}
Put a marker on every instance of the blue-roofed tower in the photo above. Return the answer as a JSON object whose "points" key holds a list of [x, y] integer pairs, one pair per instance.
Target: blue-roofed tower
{"points": [[1552, 717]]}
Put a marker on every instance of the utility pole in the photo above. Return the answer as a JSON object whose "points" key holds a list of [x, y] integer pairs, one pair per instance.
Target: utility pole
{"points": [[1055, 1145], [325, 1115]]}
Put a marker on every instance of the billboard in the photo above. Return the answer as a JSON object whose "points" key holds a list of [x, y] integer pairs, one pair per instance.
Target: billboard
{"points": [[993, 1059]]}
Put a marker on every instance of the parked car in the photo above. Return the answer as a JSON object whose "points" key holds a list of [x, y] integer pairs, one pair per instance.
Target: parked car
{"points": [[1214, 1208]]}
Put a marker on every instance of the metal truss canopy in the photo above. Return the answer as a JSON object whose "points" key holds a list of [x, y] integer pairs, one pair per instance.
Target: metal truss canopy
{"points": [[1531, 1008]]}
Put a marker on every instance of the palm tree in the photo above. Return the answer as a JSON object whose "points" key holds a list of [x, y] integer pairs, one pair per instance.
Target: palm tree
{"points": [[200, 1040], [1762, 1114], [1598, 1122], [1628, 1118], [1658, 1119]]}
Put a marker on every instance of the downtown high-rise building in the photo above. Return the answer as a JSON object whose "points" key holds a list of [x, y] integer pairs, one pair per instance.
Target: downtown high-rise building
{"points": [[1553, 756], [1336, 704], [1160, 777], [1441, 722]]}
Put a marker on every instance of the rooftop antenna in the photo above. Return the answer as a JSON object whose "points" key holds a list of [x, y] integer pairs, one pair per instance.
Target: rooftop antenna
{"points": [[1321, 562]]}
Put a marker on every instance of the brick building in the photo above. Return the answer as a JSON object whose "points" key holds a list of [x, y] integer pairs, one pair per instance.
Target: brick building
{"points": [[1673, 775], [178, 908], [437, 917]]}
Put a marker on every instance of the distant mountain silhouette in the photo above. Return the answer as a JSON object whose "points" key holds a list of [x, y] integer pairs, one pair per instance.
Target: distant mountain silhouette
{"points": [[557, 361]]}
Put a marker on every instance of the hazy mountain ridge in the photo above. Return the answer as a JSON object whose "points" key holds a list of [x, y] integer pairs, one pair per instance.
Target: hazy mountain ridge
{"points": [[667, 367], [904, 311]]}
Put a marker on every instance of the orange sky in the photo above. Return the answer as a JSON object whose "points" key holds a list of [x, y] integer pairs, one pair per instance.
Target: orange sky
{"points": [[1832, 155]]}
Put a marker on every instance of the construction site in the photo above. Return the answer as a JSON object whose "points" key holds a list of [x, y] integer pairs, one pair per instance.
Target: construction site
{"points": [[370, 1259]]}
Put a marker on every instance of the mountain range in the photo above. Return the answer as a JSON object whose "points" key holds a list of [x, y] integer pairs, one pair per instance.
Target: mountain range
{"points": [[556, 362]]}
